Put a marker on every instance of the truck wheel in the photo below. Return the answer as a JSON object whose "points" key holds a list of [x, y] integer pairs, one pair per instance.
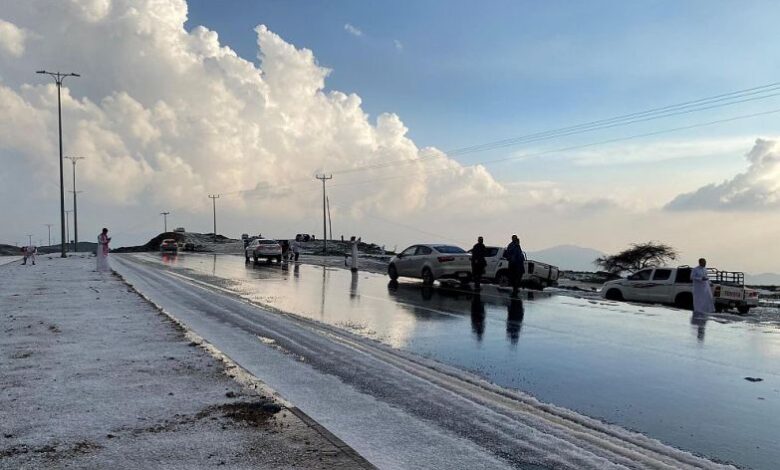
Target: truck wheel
{"points": [[427, 277], [279, 259], [502, 278], [392, 272], [743, 309], [719, 308], [614, 294], [684, 301]]}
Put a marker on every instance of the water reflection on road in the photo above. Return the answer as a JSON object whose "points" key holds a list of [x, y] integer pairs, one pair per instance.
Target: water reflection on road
{"points": [[672, 375]]}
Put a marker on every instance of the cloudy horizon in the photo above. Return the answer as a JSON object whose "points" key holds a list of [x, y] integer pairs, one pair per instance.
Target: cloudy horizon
{"points": [[167, 112]]}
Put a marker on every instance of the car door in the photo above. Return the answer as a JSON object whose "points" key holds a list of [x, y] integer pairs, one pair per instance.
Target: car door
{"points": [[404, 262], [492, 259], [636, 285], [661, 288], [422, 255]]}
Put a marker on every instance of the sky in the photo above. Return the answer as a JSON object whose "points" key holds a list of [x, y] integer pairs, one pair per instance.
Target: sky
{"points": [[250, 99]]}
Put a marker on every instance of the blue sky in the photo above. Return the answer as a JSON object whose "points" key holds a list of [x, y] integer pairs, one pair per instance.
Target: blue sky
{"points": [[470, 73]]}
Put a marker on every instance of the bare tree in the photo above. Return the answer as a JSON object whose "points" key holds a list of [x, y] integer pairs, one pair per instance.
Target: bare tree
{"points": [[638, 256]]}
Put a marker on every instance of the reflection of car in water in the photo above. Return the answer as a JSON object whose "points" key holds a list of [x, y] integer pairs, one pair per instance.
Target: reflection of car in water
{"points": [[263, 248], [431, 262]]}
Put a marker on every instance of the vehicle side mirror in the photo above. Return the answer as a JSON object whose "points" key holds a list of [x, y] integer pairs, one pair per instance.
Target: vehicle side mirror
{"points": [[400, 255]]}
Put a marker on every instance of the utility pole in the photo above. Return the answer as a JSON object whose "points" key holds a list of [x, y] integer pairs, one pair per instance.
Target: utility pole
{"points": [[67, 228], [214, 198], [330, 222], [49, 226], [75, 209], [29, 237], [165, 221], [58, 78], [324, 178]]}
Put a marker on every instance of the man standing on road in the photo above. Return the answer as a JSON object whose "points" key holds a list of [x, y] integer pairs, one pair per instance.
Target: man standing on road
{"points": [[102, 251], [514, 254], [702, 290], [296, 248], [478, 263]]}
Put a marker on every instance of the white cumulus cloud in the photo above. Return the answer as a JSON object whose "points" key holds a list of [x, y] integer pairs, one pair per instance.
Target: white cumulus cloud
{"points": [[12, 39], [756, 189], [353, 30]]}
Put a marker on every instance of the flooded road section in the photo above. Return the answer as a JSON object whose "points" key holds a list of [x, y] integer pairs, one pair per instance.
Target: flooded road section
{"points": [[663, 372]]}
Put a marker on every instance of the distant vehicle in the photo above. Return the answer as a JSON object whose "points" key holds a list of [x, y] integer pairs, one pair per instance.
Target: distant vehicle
{"points": [[263, 248], [169, 245], [303, 237], [431, 262], [674, 286], [179, 230], [537, 275], [189, 246]]}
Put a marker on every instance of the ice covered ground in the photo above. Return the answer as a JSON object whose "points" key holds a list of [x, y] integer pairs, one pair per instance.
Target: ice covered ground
{"points": [[398, 409], [94, 376]]}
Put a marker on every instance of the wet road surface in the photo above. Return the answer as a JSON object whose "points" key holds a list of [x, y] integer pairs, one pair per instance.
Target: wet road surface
{"points": [[663, 372]]}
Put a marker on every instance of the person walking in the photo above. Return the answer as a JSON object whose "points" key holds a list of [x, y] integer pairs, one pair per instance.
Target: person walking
{"points": [[102, 251], [702, 289], [296, 249], [29, 253], [514, 254], [478, 263]]}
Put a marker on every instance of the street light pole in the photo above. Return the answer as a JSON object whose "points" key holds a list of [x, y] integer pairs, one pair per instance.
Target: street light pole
{"points": [[165, 221], [67, 228], [324, 178], [214, 198], [58, 78], [49, 227], [75, 209], [29, 237]]}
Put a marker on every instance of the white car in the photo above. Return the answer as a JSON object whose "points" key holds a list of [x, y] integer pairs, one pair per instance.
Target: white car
{"points": [[431, 262], [263, 248]]}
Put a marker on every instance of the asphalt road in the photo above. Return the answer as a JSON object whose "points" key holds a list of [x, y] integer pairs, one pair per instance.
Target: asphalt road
{"points": [[359, 370]]}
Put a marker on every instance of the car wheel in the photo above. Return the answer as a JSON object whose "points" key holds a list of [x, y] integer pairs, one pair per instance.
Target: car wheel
{"points": [[614, 294], [502, 278], [254, 257], [719, 308], [279, 259], [247, 257], [392, 272], [743, 309], [427, 277], [684, 301]]}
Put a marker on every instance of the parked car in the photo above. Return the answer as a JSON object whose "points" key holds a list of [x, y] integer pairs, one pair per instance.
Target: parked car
{"points": [[304, 237], [263, 248], [179, 230], [189, 246], [169, 245], [430, 262], [537, 275], [674, 286]]}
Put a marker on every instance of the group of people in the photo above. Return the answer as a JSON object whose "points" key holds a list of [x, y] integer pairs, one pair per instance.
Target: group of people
{"points": [[28, 253], [513, 254]]}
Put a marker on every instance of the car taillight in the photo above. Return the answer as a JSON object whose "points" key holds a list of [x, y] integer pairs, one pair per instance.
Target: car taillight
{"points": [[444, 259]]}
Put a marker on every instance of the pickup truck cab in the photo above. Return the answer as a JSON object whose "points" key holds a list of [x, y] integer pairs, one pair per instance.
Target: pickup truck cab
{"points": [[674, 286], [537, 275]]}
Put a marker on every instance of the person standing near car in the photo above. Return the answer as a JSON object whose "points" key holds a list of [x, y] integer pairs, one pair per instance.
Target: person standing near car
{"points": [[702, 290], [514, 254], [296, 248], [478, 263]]}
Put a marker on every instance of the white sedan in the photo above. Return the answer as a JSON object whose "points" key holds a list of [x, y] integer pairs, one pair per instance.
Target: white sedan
{"points": [[263, 248], [431, 262]]}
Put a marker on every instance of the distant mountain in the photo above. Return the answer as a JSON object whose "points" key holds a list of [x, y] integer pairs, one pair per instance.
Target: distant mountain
{"points": [[568, 257], [765, 279]]}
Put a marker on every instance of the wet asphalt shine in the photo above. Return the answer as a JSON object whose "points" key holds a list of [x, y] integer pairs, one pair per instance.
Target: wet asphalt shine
{"points": [[659, 371]]}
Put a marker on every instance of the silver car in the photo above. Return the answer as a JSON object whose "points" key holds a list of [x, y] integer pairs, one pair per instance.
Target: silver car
{"points": [[263, 248], [430, 262]]}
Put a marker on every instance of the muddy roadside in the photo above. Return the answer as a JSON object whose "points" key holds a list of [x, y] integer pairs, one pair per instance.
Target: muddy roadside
{"points": [[93, 376]]}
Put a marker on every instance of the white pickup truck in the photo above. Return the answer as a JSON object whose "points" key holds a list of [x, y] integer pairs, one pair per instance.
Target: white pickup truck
{"points": [[537, 275], [673, 286]]}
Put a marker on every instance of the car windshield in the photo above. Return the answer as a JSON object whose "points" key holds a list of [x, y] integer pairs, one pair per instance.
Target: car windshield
{"points": [[449, 249]]}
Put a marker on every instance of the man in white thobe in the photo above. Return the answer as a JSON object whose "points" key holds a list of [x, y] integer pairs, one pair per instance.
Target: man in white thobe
{"points": [[102, 251], [702, 290]]}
